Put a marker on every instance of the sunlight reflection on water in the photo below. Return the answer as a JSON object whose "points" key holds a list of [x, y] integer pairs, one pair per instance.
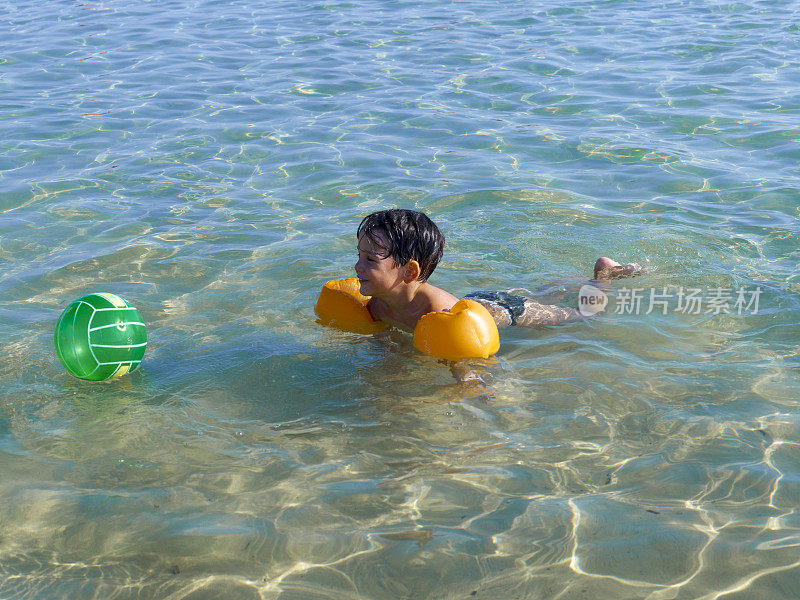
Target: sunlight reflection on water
{"points": [[210, 163]]}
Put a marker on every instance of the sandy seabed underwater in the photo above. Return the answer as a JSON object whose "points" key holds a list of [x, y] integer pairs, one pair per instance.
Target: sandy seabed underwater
{"points": [[209, 161]]}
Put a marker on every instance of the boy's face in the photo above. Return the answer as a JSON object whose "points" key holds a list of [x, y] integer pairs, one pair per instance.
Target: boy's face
{"points": [[375, 269]]}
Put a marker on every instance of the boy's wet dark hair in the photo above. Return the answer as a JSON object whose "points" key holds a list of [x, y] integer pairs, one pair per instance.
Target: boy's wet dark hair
{"points": [[411, 234]]}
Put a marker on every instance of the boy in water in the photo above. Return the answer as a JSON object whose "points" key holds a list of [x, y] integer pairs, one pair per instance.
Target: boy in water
{"points": [[399, 249]]}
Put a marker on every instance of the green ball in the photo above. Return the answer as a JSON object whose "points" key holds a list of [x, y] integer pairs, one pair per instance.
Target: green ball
{"points": [[100, 336]]}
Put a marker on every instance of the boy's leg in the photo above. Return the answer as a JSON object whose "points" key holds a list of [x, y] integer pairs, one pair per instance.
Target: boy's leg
{"points": [[501, 316], [542, 315], [605, 268], [537, 314], [534, 314], [531, 313]]}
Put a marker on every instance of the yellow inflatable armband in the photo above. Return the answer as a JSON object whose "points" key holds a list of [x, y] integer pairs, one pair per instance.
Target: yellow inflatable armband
{"points": [[343, 306], [467, 331]]}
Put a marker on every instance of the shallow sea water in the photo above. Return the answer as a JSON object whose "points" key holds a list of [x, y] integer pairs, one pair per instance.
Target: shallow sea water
{"points": [[210, 161]]}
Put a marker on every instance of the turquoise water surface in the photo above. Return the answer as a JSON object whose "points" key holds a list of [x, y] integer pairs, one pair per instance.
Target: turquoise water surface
{"points": [[209, 161]]}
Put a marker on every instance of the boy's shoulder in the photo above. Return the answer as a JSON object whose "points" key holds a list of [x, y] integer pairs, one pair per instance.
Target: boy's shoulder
{"points": [[439, 299]]}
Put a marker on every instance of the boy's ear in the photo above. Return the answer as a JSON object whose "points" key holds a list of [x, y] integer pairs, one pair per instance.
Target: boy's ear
{"points": [[412, 271]]}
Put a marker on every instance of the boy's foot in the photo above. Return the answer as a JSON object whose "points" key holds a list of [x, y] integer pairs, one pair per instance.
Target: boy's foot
{"points": [[605, 268]]}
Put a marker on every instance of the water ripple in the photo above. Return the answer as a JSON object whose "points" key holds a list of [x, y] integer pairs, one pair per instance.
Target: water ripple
{"points": [[210, 161]]}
